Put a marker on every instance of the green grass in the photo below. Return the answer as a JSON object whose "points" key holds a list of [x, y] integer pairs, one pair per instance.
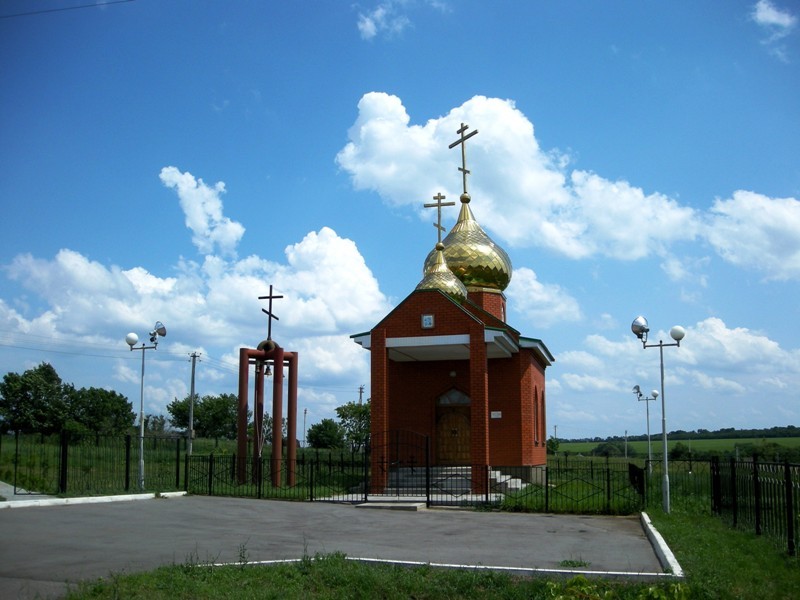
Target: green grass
{"points": [[720, 445], [720, 564], [333, 576], [725, 563]]}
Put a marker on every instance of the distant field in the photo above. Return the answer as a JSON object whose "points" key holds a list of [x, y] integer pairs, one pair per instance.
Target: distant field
{"points": [[721, 445]]}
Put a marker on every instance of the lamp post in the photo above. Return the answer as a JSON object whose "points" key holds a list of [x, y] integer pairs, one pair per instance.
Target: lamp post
{"points": [[640, 329], [647, 399], [132, 339]]}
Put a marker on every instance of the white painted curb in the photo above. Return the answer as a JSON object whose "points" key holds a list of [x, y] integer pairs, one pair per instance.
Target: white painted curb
{"points": [[665, 555], [86, 500]]}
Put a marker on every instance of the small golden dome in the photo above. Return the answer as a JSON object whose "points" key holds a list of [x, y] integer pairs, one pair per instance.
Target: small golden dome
{"points": [[437, 276], [472, 255]]}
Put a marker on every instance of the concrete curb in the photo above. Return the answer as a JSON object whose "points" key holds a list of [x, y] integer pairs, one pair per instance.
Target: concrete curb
{"points": [[516, 571], [87, 500], [665, 555]]}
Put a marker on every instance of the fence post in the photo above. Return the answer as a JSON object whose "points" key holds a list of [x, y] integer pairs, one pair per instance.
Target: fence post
{"points": [[734, 496], [127, 462], [716, 487], [311, 464], [427, 472], [259, 477], [62, 474], [757, 493], [367, 453], [211, 474], [608, 487], [546, 488], [177, 463], [787, 482], [186, 472]]}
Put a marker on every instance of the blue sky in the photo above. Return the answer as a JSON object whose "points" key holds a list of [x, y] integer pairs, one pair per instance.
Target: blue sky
{"points": [[170, 160]]}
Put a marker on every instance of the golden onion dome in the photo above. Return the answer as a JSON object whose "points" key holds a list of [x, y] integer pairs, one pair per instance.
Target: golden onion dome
{"points": [[472, 255], [437, 276]]}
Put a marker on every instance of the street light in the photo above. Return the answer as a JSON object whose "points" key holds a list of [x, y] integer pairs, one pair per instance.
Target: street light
{"points": [[640, 330], [132, 339], [647, 399]]}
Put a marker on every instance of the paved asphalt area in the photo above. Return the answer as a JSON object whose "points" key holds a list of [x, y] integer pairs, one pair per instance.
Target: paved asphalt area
{"points": [[44, 548]]}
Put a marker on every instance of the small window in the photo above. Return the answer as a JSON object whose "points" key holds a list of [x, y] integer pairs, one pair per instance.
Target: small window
{"points": [[453, 397]]}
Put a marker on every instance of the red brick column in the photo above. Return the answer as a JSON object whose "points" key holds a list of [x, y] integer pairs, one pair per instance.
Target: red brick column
{"points": [[379, 405], [479, 409]]}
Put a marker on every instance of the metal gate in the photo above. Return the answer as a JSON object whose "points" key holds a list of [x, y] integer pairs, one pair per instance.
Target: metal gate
{"points": [[400, 464]]}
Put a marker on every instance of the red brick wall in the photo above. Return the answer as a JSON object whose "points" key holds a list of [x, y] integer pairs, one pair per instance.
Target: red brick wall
{"points": [[492, 302], [404, 393]]}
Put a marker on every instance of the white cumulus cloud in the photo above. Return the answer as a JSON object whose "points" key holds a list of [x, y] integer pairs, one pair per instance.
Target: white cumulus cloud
{"points": [[777, 23], [541, 304], [520, 192], [385, 18], [202, 206], [756, 232]]}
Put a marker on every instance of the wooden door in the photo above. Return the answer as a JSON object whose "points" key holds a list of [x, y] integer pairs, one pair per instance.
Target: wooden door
{"points": [[453, 436]]}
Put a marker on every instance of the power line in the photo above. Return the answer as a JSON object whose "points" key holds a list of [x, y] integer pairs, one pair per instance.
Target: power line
{"points": [[63, 8]]}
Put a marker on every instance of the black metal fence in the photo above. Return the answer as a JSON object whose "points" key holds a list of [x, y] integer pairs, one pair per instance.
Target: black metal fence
{"points": [[313, 476], [758, 496], [610, 487], [74, 464]]}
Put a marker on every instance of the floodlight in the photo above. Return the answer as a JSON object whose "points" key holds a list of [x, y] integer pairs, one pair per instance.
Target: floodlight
{"points": [[158, 330], [637, 389], [639, 327]]}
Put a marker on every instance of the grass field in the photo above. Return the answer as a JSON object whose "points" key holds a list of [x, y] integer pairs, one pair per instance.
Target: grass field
{"points": [[720, 445]]}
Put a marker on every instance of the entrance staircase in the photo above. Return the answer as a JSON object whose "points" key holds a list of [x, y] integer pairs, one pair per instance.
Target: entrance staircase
{"points": [[451, 480]]}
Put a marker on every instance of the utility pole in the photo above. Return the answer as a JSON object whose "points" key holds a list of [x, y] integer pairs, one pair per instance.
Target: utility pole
{"points": [[360, 393], [194, 356]]}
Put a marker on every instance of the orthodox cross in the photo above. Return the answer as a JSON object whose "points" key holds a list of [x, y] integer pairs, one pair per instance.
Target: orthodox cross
{"points": [[462, 141], [269, 312], [439, 204]]}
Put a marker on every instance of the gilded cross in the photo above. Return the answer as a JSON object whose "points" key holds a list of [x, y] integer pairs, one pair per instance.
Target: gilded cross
{"points": [[439, 204], [269, 314], [462, 141]]}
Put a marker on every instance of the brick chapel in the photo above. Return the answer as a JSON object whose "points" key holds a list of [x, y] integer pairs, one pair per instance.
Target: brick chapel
{"points": [[447, 366]]}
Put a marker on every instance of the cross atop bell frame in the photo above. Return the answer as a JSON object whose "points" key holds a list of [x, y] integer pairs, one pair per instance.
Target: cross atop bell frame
{"points": [[266, 353]]}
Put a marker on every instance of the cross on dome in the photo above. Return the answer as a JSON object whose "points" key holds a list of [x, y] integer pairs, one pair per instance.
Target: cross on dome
{"points": [[438, 205], [462, 141]]}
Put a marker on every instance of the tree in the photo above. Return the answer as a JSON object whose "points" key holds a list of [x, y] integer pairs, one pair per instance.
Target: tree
{"points": [[36, 401], [354, 419], [610, 448], [325, 434], [552, 445], [179, 412], [100, 411], [155, 424], [215, 416]]}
